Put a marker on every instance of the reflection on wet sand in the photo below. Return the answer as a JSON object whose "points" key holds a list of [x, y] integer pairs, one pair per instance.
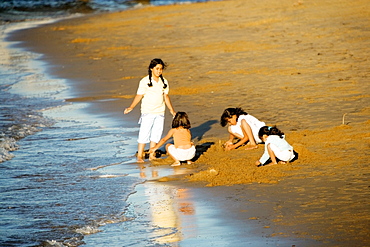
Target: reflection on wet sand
{"points": [[170, 207], [143, 171]]}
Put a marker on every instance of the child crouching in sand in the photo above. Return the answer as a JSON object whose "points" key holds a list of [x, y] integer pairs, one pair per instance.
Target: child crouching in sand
{"points": [[182, 149], [276, 147], [243, 126]]}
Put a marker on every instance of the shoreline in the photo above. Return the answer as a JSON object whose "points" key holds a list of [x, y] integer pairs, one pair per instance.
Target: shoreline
{"points": [[315, 73]]}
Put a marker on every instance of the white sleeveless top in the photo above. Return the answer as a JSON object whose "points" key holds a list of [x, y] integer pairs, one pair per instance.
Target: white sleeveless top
{"points": [[253, 122]]}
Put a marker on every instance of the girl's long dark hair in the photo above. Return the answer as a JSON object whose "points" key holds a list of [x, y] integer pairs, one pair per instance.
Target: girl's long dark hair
{"points": [[229, 113], [267, 130], [181, 119], [152, 64]]}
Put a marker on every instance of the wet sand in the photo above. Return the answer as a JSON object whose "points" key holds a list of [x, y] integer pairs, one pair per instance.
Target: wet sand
{"points": [[300, 65]]}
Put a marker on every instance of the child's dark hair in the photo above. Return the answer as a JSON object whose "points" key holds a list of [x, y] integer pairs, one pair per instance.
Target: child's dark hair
{"points": [[267, 130], [229, 113], [181, 119], [152, 64]]}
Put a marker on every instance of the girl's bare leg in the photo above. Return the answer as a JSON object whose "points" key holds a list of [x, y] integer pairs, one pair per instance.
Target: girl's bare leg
{"points": [[233, 135], [252, 143], [177, 162], [140, 152], [152, 155], [272, 155]]}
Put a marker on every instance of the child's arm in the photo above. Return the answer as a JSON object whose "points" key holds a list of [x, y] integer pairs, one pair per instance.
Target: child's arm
{"points": [[245, 138], [162, 141], [136, 100], [229, 142], [167, 100], [231, 138], [263, 158]]}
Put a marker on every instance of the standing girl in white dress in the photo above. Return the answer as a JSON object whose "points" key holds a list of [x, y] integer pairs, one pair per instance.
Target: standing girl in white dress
{"points": [[153, 93]]}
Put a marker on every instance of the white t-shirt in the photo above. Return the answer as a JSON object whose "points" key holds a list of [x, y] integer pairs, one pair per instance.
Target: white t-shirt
{"points": [[153, 100], [281, 145], [253, 122]]}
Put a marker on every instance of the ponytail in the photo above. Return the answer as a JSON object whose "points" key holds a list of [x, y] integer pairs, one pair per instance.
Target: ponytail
{"points": [[164, 84], [267, 130]]}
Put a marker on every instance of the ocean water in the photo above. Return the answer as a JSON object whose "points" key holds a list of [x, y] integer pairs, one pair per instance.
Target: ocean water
{"points": [[52, 191], [20, 10], [64, 174]]}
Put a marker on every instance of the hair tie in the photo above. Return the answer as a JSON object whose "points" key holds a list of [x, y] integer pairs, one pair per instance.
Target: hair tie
{"points": [[269, 127]]}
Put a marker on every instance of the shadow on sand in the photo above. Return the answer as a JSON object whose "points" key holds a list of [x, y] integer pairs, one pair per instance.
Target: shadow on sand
{"points": [[198, 133]]}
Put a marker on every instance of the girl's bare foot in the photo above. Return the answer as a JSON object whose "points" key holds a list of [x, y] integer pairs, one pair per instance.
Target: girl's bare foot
{"points": [[189, 162], [282, 162], [271, 164], [250, 147], [139, 160], [176, 163], [152, 156]]}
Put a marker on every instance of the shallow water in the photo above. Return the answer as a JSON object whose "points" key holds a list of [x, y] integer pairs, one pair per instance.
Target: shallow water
{"points": [[50, 187], [13, 10]]}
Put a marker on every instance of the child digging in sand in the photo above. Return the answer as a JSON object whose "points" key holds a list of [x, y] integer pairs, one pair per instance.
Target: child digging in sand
{"points": [[182, 149], [153, 92], [276, 147], [243, 126]]}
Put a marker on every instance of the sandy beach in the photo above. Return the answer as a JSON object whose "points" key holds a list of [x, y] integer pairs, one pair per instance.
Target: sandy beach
{"points": [[300, 65]]}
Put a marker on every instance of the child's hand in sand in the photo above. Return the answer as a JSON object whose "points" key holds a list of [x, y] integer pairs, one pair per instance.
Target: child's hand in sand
{"points": [[229, 147], [228, 143], [258, 163]]}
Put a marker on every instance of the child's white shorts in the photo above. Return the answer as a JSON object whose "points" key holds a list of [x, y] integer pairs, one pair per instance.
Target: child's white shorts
{"points": [[182, 154], [151, 128], [285, 155]]}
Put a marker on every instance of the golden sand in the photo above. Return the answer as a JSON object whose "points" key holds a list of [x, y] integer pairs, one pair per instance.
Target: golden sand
{"points": [[300, 65]]}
